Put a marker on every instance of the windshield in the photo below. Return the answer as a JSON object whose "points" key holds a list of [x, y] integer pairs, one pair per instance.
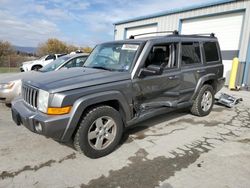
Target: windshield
{"points": [[43, 57], [113, 57], [54, 64]]}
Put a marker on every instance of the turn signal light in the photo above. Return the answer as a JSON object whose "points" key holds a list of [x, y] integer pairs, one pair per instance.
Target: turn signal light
{"points": [[59, 111]]}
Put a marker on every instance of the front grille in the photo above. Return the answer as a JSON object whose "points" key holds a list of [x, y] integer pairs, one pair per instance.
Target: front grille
{"points": [[30, 95]]}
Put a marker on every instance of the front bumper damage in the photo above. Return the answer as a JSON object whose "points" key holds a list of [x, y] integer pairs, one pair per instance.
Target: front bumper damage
{"points": [[37, 122]]}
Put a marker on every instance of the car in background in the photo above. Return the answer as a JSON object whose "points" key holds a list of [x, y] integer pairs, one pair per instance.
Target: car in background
{"points": [[39, 63], [10, 87]]}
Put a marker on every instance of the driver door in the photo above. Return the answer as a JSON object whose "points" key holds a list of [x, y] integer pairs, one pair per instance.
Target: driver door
{"points": [[156, 91]]}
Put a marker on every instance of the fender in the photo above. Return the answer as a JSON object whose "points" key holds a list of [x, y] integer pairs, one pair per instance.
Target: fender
{"points": [[35, 65], [200, 83], [82, 103]]}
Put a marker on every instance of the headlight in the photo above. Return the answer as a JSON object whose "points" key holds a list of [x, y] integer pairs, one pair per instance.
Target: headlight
{"points": [[7, 85], [43, 101]]}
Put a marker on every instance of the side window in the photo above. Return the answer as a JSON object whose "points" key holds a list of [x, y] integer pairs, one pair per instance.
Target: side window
{"points": [[76, 62], [190, 53], [162, 55], [49, 57], [211, 51], [80, 61], [60, 55], [71, 63]]}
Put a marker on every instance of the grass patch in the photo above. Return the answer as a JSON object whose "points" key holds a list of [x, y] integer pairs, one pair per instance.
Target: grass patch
{"points": [[8, 70]]}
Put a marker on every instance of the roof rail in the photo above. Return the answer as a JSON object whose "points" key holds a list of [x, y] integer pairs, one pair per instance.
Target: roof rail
{"points": [[175, 32], [204, 34]]}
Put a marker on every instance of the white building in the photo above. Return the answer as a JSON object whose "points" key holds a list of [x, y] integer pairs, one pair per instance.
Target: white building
{"points": [[228, 19]]}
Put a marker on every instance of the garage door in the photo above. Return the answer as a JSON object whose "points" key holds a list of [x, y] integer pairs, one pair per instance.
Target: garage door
{"points": [[141, 30], [227, 28]]}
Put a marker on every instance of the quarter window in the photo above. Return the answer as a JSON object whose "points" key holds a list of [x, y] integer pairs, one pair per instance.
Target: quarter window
{"points": [[211, 51], [49, 57], [190, 53]]}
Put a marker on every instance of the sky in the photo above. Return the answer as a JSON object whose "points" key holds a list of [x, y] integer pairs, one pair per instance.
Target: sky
{"points": [[77, 22]]}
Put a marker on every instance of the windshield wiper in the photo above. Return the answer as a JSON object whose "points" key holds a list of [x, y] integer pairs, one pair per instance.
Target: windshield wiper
{"points": [[100, 67]]}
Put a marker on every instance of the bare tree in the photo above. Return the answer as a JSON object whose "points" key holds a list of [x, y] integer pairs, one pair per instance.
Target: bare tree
{"points": [[5, 51]]}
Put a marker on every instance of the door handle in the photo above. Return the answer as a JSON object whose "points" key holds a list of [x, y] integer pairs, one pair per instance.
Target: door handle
{"points": [[201, 71], [173, 77]]}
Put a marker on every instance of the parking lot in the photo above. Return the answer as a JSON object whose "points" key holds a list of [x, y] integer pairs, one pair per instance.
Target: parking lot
{"points": [[172, 150]]}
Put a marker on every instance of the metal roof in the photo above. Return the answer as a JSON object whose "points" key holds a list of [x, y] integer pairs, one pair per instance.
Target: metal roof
{"points": [[175, 11]]}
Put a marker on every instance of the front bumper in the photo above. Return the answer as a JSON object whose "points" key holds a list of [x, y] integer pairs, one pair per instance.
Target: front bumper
{"points": [[52, 126], [7, 95]]}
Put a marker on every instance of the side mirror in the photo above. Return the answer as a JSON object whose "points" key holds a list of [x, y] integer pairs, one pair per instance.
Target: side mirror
{"points": [[150, 71]]}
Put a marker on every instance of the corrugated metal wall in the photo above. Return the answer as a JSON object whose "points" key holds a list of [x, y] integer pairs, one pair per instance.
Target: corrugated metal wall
{"points": [[172, 22]]}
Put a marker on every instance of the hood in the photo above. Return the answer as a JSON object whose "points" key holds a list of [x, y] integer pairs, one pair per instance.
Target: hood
{"points": [[19, 76], [28, 62], [74, 78]]}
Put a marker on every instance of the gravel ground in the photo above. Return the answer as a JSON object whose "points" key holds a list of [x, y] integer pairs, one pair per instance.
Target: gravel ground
{"points": [[172, 150]]}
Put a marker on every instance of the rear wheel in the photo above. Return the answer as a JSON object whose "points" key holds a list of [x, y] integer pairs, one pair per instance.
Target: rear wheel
{"points": [[204, 101], [100, 132]]}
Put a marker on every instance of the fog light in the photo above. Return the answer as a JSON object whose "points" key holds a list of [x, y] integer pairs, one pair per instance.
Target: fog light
{"points": [[38, 127]]}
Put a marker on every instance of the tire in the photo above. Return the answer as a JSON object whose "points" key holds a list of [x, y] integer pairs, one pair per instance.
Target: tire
{"points": [[36, 67], [8, 105], [204, 101], [91, 137]]}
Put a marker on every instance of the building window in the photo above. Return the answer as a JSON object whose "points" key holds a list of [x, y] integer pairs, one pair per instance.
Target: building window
{"points": [[211, 51], [190, 53]]}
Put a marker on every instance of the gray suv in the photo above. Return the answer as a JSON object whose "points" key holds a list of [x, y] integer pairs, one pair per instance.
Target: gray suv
{"points": [[121, 83]]}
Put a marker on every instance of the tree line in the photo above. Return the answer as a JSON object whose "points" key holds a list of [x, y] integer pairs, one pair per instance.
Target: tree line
{"points": [[9, 57], [55, 46]]}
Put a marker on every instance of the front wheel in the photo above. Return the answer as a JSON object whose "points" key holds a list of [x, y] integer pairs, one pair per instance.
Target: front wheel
{"points": [[36, 67], [100, 132], [204, 101]]}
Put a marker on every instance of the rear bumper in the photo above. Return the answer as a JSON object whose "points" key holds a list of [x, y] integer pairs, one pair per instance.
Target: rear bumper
{"points": [[220, 84], [52, 126]]}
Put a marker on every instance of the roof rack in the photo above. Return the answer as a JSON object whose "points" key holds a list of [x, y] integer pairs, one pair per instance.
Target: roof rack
{"points": [[204, 34], [175, 32]]}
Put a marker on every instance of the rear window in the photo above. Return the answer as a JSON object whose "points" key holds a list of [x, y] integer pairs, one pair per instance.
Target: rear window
{"points": [[211, 51]]}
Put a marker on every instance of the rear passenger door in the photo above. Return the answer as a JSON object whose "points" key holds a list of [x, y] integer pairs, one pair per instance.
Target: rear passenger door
{"points": [[192, 68]]}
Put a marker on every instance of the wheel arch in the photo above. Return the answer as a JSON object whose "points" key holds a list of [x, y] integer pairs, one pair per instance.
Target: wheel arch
{"points": [[114, 99], [207, 79], [35, 65]]}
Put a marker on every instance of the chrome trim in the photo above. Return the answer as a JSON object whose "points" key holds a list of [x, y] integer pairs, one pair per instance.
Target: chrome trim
{"points": [[30, 95]]}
